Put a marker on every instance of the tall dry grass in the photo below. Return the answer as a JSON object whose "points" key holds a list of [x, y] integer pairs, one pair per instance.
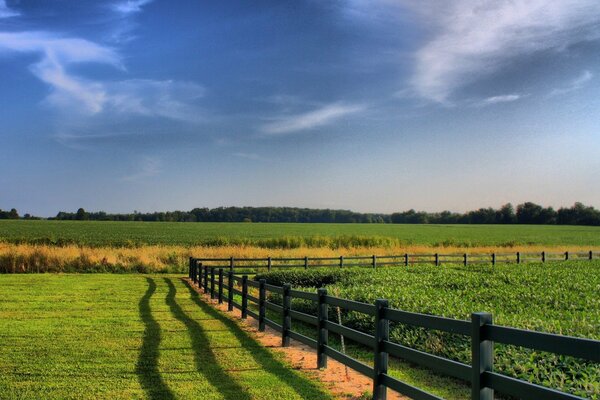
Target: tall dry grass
{"points": [[23, 258]]}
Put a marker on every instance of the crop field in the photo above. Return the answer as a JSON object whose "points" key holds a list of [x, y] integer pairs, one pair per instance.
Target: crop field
{"points": [[285, 236], [130, 336], [560, 298]]}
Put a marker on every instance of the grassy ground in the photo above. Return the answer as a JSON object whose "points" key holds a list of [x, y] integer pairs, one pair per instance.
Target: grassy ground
{"points": [[277, 235], [129, 336]]}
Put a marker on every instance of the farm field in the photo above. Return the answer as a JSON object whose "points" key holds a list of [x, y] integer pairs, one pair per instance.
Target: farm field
{"points": [[130, 336], [559, 298], [278, 235]]}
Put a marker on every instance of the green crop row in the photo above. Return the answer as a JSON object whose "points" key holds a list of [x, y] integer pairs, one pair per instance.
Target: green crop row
{"points": [[291, 235], [559, 298]]}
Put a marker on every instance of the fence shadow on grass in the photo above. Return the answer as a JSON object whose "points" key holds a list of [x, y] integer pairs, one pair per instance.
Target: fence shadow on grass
{"points": [[263, 357], [205, 359], [147, 364]]}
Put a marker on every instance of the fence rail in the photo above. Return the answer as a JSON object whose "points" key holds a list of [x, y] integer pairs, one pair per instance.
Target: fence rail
{"points": [[375, 261], [480, 329]]}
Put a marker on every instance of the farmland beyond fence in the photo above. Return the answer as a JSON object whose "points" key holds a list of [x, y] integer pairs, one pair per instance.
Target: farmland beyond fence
{"points": [[223, 284]]}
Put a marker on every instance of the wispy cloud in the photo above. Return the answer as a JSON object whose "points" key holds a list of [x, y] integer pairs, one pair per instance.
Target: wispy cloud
{"points": [[56, 55], [575, 84], [6, 12], [309, 120], [505, 98], [146, 167], [75, 94], [130, 6], [475, 39]]}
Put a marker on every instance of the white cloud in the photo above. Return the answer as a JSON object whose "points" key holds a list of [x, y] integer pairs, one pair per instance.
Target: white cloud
{"points": [[153, 98], [475, 39], [309, 120], [505, 98], [147, 167], [6, 12], [575, 84], [57, 53], [130, 6], [74, 94]]}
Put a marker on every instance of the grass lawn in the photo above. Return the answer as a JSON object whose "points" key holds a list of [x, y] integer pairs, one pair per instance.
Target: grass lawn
{"points": [[130, 336]]}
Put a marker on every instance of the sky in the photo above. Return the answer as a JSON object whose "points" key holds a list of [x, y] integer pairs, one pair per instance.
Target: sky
{"points": [[373, 106]]}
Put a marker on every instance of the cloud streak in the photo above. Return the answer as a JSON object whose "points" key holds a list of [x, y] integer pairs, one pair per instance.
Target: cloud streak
{"points": [[575, 84], [475, 39], [309, 120], [6, 12], [74, 94]]}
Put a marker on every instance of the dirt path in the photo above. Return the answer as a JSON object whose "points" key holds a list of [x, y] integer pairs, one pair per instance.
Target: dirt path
{"points": [[344, 383]]}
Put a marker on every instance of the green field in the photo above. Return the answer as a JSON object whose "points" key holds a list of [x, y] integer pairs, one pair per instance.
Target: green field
{"points": [[561, 298], [130, 337], [276, 235]]}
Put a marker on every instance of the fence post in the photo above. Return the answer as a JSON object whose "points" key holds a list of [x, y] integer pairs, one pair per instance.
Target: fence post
{"points": [[465, 259], [230, 291], [262, 294], [406, 259], [591, 254], [231, 263], [566, 256], [193, 273], [380, 365], [199, 273], [220, 285], [305, 262], [482, 357], [322, 332], [374, 261], [212, 283], [543, 256], [206, 279], [287, 319], [341, 261], [493, 259], [244, 296], [518, 257], [269, 263]]}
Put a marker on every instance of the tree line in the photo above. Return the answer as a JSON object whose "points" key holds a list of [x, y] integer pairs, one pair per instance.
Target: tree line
{"points": [[526, 213]]}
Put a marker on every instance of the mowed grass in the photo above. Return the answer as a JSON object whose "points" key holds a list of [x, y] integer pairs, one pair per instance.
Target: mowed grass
{"points": [[128, 337], [281, 235]]}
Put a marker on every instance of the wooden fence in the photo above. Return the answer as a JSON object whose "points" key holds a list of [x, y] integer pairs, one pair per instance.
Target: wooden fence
{"points": [[480, 329], [406, 259]]}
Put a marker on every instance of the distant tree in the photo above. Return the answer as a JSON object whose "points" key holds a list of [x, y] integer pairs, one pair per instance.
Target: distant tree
{"points": [[13, 214], [506, 214], [528, 213], [81, 215]]}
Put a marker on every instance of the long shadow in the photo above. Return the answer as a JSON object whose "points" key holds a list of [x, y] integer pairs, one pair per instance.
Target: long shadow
{"points": [[263, 357], [147, 364], [204, 357]]}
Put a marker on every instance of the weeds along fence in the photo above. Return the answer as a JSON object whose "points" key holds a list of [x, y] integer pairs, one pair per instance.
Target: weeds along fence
{"points": [[406, 259], [480, 329]]}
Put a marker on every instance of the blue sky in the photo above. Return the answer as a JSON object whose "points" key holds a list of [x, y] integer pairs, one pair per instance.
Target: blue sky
{"points": [[377, 106]]}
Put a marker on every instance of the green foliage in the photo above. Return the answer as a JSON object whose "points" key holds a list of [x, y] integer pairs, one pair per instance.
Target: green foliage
{"points": [[559, 298], [313, 278], [290, 236]]}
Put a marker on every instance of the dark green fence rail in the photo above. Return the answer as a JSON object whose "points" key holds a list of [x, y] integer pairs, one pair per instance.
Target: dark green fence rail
{"points": [[406, 259], [480, 329]]}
